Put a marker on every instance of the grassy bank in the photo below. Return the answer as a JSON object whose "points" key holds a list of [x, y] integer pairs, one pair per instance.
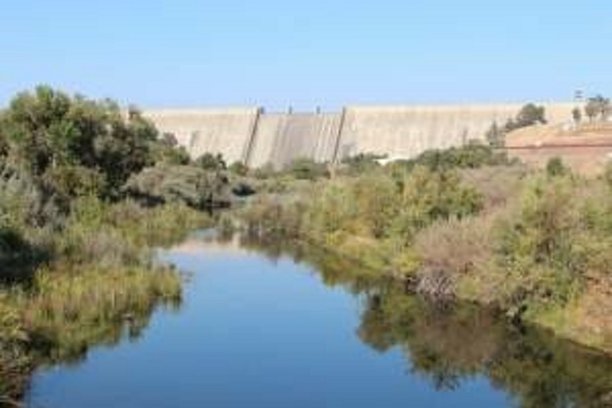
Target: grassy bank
{"points": [[100, 281], [468, 224]]}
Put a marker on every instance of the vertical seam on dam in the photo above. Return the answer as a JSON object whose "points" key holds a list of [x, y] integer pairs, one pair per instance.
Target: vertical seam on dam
{"points": [[339, 137], [251, 139]]}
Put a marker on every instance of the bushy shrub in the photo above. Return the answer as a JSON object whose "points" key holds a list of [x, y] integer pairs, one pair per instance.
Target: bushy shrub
{"points": [[555, 167], [75, 181], [191, 185], [20, 253], [377, 203], [529, 115], [471, 156], [428, 195], [498, 185], [269, 218], [238, 168], [454, 248], [211, 162], [539, 245], [170, 154], [361, 163], [307, 169]]}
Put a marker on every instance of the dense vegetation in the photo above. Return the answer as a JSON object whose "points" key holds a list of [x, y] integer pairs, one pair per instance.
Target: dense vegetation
{"points": [[74, 229], [467, 223]]}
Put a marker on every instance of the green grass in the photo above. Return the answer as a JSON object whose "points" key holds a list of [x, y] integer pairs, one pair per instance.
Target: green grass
{"points": [[68, 311], [100, 282]]}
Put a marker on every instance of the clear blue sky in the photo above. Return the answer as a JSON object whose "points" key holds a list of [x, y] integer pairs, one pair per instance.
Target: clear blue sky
{"points": [[307, 53]]}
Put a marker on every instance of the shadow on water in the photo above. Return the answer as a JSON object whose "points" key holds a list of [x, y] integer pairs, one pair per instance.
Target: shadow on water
{"points": [[449, 344]]}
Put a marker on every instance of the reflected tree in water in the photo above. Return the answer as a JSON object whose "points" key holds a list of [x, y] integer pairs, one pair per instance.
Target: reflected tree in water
{"points": [[448, 343]]}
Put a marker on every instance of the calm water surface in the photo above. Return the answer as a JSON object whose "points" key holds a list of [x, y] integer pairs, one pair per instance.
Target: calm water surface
{"points": [[262, 327]]}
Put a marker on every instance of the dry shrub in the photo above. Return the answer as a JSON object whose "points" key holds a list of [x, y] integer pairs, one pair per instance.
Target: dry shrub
{"points": [[498, 185], [268, 216], [450, 249], [456, 245]]}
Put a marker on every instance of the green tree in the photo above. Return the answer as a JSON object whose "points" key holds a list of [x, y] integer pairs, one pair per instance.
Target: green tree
{"points": [[209, 161], [598, 107], [529, 115], [47, 130], [125, 149], [590, 110]]}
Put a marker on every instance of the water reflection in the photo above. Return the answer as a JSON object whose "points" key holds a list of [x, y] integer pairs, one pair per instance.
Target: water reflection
{"points": [[449, 344], [68, 343], [74, 343]]}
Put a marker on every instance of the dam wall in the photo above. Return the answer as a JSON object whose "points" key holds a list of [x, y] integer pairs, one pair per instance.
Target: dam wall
{"points": [[407, 131], [282, 138], [224, 131], [256, 138]]}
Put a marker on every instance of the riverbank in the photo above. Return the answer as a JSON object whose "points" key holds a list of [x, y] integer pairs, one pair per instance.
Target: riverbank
{"points": [[85, 192], [468, 225], [102, 279]]}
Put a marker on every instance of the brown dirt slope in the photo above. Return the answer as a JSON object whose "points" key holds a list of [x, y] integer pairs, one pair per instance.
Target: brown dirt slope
{"points": [[586, 148]]}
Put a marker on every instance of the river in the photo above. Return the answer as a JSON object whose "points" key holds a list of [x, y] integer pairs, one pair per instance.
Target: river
{"points": [[277, 326]]}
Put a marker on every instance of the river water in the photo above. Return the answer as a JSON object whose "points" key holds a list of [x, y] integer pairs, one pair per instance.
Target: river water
{"points": [[278, 326]]}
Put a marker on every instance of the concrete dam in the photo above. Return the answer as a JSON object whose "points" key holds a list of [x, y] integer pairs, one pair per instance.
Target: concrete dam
{"points": [[256, 138]]}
